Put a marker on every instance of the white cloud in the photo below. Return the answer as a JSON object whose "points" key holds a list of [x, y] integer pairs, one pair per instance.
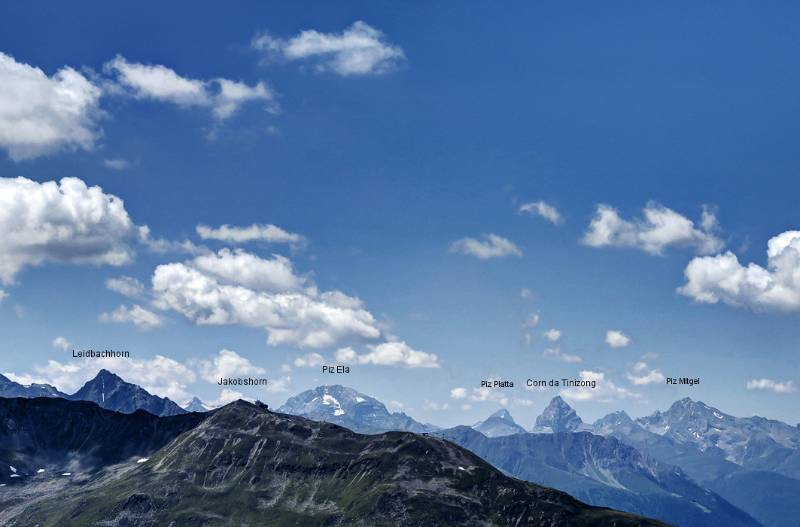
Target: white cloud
{"points": [[435, 407], [712, 279], [248, 270], [552, 335], [309, 360], [116, 163], [483, 395], [458, 393], [491, 246], [396, 405], [532, 321], [65, 222], [61, 343], [543, 209], [41, 115], [557, 354], [640, 375], [227, 364], [771, 385], [617, 339], [358, 50], [160, 375], [156, 82], [525, 293], [285, 368], [659, 228], [137, 315], [3, 295], [390, 354], [211, 292], [256, 232], [227, 396], [604, 391], [280, 385], [126, 286]]}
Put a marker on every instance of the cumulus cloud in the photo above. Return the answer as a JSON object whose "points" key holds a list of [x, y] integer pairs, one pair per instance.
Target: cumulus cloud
{"points": [[525, 293], [156, 82], [227, 363], [358, 50], [617, 339], [605, 391], [552, 335], [771, 385], [309, 360], [490, 246], [542, 209], [483, 394], [61, 343], [640, 375], [458, 393], [126, 286], [140, 317], [395, 353], [227, 396], [712, 279], [256, 232], [217, 290], [160, 375], [66, 222], [659, 229], [3, 295], [557, 354], [260, 274], [41, 114]]}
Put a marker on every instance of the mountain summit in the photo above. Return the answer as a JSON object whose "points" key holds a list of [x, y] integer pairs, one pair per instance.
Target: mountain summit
{"points": [[499, 424], [557, 418], [351, 409], [111, 392]]}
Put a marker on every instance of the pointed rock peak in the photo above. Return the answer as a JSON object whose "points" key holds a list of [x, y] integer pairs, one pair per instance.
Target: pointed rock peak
{"points": [[558, 417], [106, 375], [504, 415], [620, 416]]}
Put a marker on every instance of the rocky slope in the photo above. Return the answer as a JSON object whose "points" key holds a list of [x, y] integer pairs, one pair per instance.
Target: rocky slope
{"points": [[244, 465], [57, 436]]}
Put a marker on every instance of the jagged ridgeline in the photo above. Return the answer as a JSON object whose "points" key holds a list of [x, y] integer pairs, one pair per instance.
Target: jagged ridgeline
{"points": [[243, 465]]}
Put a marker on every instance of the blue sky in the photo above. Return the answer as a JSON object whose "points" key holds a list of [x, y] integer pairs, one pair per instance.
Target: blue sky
{"points": [[384, 139]]}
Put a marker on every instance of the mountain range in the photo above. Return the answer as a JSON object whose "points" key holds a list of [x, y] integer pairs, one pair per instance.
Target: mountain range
{"points": [[106, 389], [691, 464], [244, 465]]}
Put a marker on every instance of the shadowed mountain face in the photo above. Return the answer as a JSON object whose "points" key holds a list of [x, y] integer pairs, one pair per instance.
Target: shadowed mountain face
{"points": [[244, 464], [111, 392], [75, 436], [499, 424], [603, 471], [351, 409], [9, 388]]}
